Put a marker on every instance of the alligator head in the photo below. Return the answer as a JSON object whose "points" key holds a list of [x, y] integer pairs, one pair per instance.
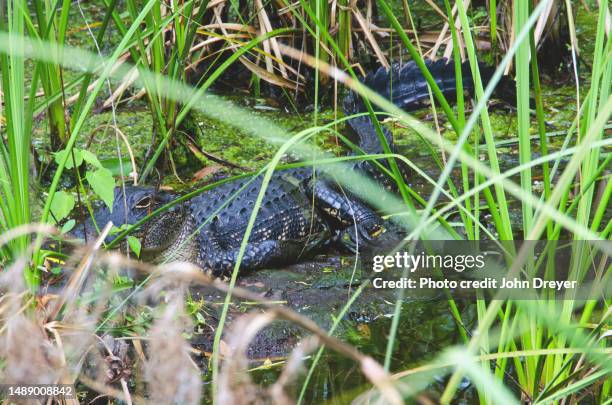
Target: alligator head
{"points": [[131, 204], [171, 236]]}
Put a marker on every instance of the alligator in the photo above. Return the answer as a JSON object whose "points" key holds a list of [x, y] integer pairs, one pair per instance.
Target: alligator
{"points": [[303, 209]]}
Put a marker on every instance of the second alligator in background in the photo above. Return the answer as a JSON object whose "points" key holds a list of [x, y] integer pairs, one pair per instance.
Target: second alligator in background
{"points": [[303, 209]]}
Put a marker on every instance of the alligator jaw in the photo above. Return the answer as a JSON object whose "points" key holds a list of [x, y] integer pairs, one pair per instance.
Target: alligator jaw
{"points": [[171, 237]]}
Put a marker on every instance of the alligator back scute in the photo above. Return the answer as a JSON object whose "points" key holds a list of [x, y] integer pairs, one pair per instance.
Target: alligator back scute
{"points": [[405, 85], [285, 212]]}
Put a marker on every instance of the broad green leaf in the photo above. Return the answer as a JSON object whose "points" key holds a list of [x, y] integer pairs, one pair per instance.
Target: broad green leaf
{"points": [[118, 229], [78, 158], [200, 318], [113, 164], [68, 226], [61, 205], [103, 184], [91, 158], [134, 243]]}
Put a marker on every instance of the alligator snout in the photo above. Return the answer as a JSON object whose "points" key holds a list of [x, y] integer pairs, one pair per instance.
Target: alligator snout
{"points": [[130, 205]]}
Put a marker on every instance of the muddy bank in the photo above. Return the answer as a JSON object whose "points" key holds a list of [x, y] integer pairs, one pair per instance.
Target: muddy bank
{"points": [[317, 289]]}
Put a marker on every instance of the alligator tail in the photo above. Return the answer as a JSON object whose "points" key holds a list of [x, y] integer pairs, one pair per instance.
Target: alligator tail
{"points": [[406, 87]]}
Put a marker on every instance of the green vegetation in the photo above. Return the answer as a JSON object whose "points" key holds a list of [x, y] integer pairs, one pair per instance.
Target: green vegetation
{"points": [[127, 99]]}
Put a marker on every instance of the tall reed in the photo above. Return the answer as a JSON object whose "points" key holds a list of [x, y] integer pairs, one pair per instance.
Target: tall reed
{"points": [[15, 145]]}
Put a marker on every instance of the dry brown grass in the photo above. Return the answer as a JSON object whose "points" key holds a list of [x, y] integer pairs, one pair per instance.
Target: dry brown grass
{"points": [[58, 336], [170, 373]]}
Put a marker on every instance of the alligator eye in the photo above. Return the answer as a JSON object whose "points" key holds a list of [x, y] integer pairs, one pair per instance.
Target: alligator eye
{"points": [[144, 202]]}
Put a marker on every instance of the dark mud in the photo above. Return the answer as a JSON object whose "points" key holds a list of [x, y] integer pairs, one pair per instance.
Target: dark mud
{"points": [[317, 289]]}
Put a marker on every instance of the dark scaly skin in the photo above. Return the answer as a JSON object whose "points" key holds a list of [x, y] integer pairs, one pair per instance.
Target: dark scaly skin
{"points": [[297, 217], [300, 213], [286, 225], [128, 208]]}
